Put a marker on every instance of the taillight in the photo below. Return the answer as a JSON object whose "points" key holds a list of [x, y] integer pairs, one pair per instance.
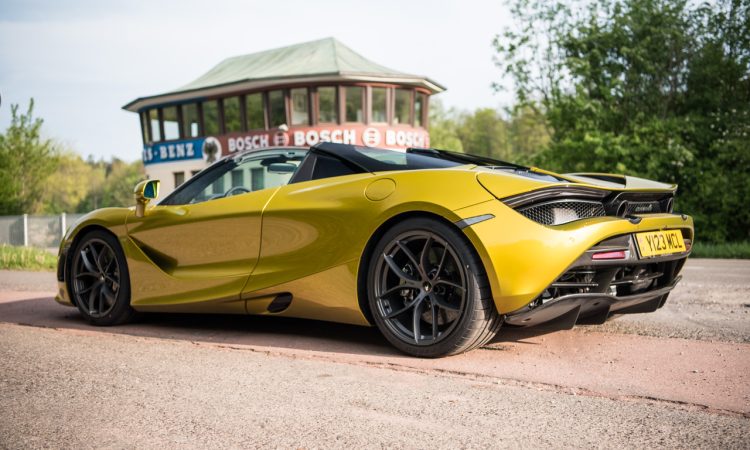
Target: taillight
{"points": [[619, 254]]}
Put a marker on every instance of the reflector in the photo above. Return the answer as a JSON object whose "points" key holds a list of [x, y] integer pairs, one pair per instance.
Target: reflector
{"points": [[620, 254]]}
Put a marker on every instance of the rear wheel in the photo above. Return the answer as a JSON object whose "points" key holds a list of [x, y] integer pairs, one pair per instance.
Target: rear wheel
{"points": [[428, 291], [99, 281]]}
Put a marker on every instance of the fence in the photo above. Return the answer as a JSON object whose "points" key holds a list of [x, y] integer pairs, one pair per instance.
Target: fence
{"points": [[35, 231]]}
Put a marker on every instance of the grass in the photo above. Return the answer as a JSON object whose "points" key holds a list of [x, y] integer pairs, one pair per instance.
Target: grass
{"points": [[730, 250], [26, 258]]}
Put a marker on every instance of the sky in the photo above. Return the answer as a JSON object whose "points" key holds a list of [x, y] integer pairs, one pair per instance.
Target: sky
{"points": [[82, 60]]}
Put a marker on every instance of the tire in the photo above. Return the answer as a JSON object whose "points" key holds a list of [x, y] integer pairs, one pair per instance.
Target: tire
{"points": [[423, 272], [99, 281]]}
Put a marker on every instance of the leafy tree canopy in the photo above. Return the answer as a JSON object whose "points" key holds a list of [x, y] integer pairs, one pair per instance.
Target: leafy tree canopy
{"points": [[26, 161], [38, 177], [654, 88]]}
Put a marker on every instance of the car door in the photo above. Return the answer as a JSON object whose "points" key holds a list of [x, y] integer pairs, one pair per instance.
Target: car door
{"points": [[210, 230]]}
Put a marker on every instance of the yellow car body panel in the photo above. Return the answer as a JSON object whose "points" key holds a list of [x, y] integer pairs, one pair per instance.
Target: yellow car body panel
{"points": [[524, 257], [236, 254]]}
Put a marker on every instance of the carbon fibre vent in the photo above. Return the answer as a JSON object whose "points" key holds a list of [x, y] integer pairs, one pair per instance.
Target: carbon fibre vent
{"points": [[642, 208], [563, 211]]}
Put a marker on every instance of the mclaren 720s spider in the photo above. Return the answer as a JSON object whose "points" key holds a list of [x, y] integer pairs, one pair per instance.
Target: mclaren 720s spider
{"points": [[437, 249]]}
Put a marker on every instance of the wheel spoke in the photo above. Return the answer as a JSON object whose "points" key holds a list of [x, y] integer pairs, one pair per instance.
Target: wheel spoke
{"points": [[417, 320], [407, 307], [95, 254], [440, 264], [109, 263], [434, 320], [442, 303], [85, 258], [92, 286], [101, 257], [397, 270], [449, 283], [394, 289], [115, 283], [411, 257], [93, 294], [87, 274], [107, 295], [424, 257]]}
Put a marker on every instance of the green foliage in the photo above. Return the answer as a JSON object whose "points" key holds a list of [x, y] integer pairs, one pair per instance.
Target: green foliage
{"points": [[653, 88], [37, 177], [527, 133], [66, 188], [26, 258], [487, 132], [26, 162], [484, 133], [443, 127], [734, 250], [120, 180], [111, 184]]}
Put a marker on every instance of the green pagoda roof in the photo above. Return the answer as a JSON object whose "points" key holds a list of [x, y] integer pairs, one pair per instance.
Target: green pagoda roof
{"points": [[324, 60]]}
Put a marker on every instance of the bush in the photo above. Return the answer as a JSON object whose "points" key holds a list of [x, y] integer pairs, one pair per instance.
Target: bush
{"points": [[734, 250]]}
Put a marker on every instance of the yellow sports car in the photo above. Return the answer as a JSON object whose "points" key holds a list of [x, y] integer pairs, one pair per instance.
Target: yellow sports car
{"points": [[435, 248]]}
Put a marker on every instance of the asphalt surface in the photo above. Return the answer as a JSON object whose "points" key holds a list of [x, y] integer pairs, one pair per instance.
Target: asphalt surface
{"points": [[679, 377]]}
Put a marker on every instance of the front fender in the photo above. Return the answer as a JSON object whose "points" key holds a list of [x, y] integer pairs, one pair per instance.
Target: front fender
{"points": [[110, 219]]}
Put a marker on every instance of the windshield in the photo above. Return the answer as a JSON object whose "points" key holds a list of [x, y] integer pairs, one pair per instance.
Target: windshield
{"points": [[234, 176]]}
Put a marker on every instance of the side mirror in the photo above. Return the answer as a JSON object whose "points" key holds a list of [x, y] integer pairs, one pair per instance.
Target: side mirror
{"points": [[144, 192]]}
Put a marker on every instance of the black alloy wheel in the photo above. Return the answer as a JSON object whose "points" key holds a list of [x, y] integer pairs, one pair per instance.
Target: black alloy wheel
{"points": [[420, 281], [98, 280], [428, 291]]}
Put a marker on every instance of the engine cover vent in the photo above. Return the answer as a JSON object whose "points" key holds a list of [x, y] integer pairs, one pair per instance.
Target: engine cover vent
{"points": [[563, 211]]}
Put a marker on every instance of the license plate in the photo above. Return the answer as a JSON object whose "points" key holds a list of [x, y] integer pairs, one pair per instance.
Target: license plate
{"points": [[655, 243]]}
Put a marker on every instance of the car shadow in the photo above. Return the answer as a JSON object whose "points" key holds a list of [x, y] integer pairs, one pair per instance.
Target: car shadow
{"points": [[232, 330], [260, 332]]}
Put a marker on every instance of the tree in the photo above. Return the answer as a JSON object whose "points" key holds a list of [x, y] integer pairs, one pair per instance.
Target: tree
{"points": [[120, 181], [66, 188], [443, 124], [485, 133], [654, 88], [26, 162], [111, 184], [528, 134]]}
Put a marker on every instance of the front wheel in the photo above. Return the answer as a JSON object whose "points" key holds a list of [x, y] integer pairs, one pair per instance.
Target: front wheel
{"points": [[99, 281], [428, 290]]}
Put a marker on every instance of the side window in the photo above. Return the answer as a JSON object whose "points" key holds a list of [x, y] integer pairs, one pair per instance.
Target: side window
{"points": [[328, 110], [276, 108], [232, 122], [153, 120], [237, 177], [254, 111], [179, 178], [327, 167], [211, 117], [379, 104], [190, 121], [402, 111], [354, 104], [257, 178], [171, 125]]}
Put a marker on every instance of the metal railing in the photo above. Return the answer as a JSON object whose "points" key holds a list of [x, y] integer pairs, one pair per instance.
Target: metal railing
{"points": [[35, 231]]}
